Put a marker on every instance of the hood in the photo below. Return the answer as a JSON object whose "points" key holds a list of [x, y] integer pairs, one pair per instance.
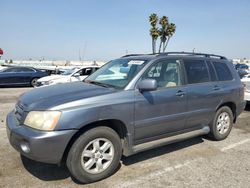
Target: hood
{"points": [[53, 77], [51, 96]]}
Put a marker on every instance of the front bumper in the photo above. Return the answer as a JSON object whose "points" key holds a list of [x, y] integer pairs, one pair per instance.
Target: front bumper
{"points": [[47, 147], [41, 84]]}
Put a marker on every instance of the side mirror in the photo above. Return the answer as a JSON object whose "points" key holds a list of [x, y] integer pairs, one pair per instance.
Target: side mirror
{"points": [[147, 85], [76, 75]]}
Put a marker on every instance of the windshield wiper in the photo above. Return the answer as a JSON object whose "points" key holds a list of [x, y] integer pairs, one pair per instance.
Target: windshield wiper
{"points": [[98, 83]]}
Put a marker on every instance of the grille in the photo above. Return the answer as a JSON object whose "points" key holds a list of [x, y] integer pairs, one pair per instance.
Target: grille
{"points": [[20, 113]]}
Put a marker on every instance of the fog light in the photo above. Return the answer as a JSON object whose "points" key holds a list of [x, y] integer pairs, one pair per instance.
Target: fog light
{"points": [[25, 147]]}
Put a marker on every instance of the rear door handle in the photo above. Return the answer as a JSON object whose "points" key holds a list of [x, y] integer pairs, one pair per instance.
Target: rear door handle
{"points": [[180, 93]]}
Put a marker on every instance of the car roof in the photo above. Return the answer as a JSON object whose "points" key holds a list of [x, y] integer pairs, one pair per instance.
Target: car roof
{"points": [[139, 56], [20, 67], [177, 55]]}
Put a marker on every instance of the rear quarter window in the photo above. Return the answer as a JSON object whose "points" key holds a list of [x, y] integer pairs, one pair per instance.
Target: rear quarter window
{"points": [[211, 71], [223, 72]]}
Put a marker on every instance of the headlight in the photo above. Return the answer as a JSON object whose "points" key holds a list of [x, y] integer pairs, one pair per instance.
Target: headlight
{"points": [[42, 120]]}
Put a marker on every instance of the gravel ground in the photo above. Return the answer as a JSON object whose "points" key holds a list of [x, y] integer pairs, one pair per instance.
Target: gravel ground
{"points": [[197, 162]]}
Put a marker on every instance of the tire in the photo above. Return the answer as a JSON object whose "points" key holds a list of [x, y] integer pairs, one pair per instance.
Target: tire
{"points": [[85, 151], [33, 82], [222, 124]]}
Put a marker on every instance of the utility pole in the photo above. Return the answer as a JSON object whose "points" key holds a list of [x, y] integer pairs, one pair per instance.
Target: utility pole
{"points": [[84, 49], [79, 54]]}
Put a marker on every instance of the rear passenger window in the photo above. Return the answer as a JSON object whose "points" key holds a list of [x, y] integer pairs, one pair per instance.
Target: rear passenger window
{"points": [[222, 71], [196, 71]]}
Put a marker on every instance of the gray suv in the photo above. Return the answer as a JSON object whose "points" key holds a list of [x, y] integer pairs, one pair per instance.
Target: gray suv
{"points": [[131, 104]]}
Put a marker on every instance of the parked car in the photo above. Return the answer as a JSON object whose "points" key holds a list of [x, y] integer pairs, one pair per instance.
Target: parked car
{"points": [[70, 75], [246, 81], [242, 69], [150, 101], [241, 66], [20, 76], [242, 72]]}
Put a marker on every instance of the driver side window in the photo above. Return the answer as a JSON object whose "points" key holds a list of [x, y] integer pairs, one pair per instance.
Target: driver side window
{"points": [[166, 73]]}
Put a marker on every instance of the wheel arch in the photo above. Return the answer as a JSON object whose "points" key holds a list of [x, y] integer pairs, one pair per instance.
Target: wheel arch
{"points": [[232, 106], [32, 78], [117, 125]]}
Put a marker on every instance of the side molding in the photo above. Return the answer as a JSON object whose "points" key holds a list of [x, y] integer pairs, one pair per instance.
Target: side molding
{"points": [[164, 141]]}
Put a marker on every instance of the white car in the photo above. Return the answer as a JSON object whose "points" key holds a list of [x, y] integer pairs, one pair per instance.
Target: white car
{"points": [[246, 81], [70, 75]]}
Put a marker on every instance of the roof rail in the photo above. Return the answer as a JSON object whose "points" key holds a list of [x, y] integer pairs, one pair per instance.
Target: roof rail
{"points": [[128, 55], [192, 54]]}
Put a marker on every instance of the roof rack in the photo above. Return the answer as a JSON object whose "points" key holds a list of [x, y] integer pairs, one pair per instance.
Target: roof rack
{"points": [[128, 55], [192, 54]]}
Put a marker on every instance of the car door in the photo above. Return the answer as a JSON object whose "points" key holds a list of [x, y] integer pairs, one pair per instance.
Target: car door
{"points": [[26, 75], [226, 87], [5, 77], [201, 92], [163, 111], [10, 76]]}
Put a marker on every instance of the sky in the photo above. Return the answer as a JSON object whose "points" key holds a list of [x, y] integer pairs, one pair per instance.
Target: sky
{"points": [[108, 29]]}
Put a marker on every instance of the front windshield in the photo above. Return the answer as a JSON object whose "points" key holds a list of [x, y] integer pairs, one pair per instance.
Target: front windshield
{"points": [[68, 72], [117, 73]]}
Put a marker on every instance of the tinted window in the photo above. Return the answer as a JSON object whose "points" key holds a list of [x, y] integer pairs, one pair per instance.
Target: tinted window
{"points": [[18, 70], [85, 71], [166, 73], [196, 71], [12, 70], [25, 70], [222, 71], [211, 71]]}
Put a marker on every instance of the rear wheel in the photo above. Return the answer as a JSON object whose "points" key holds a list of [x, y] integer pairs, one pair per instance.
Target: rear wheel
{"points": [[222, 124], [95, 155], [33, 82]]}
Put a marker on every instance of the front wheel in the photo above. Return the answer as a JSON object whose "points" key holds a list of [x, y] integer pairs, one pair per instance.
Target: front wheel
{"points": [[95, 155], [222, 124]]}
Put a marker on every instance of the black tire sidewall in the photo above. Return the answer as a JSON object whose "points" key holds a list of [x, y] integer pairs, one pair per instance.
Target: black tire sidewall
{"points": [[215, 133], [74, 156]]}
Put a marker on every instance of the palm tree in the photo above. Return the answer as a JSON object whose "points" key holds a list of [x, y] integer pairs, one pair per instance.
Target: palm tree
{"points": [[154, 32], [163, 31], [171, 28], [166, 31]]}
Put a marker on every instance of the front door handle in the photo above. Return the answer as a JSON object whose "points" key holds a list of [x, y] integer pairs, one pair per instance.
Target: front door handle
{"points": [[180, 93]]}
